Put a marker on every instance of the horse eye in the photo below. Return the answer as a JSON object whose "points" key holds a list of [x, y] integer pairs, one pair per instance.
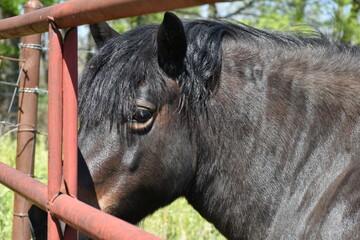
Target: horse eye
{"points": [[142, 115]]}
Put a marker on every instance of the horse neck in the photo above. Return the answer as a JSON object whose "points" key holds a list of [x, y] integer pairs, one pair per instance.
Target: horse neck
{"points": [[268, 124]]}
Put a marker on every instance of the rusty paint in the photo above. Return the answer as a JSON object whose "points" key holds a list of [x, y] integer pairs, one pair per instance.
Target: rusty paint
{"points": [[70, 75], [75, 13], [70, 210], [54, 123], [87, 219], [24, 185]]}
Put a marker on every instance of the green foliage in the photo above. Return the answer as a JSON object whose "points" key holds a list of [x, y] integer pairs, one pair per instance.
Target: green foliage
{"points": [[125, 24], [338, 18], [11, 6], [347, 20], [14, 7], [273, 21], [7, 156], [8, 50]]}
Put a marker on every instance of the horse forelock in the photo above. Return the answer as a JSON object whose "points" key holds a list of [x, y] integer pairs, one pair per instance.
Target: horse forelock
{"points": [[109, 82]]}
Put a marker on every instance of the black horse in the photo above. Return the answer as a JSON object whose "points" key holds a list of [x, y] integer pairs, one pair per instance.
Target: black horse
{"points": [[259, 130]]}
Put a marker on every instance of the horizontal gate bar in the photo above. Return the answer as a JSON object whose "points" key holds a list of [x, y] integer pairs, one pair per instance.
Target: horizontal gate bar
{"points": [[84, 217], [78, 12], [24, 185], [70, 210]]}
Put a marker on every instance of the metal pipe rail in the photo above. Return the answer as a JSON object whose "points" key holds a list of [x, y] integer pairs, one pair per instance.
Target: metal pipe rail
{"points": [[78, 12], [78, 214]]}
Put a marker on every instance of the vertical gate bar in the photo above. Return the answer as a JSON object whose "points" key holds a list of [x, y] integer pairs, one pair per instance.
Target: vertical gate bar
{"points": [[54, 124], [70, 75], [27, 119]]}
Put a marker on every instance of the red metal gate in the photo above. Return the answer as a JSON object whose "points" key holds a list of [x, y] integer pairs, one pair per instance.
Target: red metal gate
{"points": [[62, 84]]}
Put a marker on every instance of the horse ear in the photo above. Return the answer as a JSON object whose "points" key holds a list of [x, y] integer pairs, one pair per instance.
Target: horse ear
{"points": [[171, 40], [102, 32]]}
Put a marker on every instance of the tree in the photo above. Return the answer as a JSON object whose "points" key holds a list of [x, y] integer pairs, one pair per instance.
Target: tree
{"points": [[347, 25], [337, 18]]}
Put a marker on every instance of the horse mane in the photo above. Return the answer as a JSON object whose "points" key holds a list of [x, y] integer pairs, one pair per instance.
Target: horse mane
{"points": [[110, 79]]}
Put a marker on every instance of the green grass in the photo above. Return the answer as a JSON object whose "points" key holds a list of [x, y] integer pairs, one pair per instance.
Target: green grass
{"points": [[178, 221], [7, 155]]}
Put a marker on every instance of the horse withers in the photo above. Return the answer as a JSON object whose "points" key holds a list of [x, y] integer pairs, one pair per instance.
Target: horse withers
{"points": [[258, 130]]}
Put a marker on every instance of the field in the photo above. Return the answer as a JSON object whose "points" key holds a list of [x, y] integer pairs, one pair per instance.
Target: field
{"points": [[177, 221]]}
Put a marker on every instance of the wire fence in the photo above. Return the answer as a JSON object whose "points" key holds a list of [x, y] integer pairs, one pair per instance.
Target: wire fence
{"points": [[5, 125], [8, 125]]}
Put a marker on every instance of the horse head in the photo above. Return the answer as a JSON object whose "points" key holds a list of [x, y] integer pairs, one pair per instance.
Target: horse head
{"points": [[132, 137], [258, 130]]}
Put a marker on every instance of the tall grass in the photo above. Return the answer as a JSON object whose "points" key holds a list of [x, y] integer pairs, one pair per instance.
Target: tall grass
{"points": [[178, 221], [7, 155]]}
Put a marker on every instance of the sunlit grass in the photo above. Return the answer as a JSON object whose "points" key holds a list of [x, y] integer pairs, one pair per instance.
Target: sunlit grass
{"points": [[176, 221], [180, 221], [7, 155]]}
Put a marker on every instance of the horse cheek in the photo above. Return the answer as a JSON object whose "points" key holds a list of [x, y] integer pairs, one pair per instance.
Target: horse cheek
{"points": [[176, 152]]}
